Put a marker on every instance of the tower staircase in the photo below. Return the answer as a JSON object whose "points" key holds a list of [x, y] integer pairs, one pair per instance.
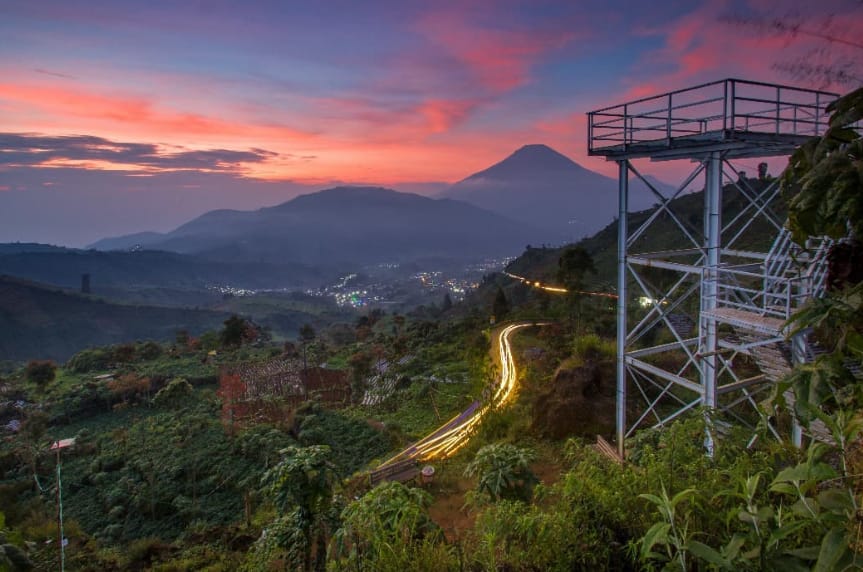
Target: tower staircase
{"points": [[757, 300]]}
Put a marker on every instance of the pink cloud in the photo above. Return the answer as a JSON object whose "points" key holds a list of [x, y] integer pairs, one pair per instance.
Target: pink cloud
{"points": [[499, 59], [703, 46], [397, 121], [442, 114], [40, 105]]}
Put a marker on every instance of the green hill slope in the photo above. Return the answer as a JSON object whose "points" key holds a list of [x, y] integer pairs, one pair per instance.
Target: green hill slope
{"points": [[48, 323]]}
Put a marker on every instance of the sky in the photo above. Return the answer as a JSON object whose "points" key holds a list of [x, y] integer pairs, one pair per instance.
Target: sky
{"points": [[123, 116]]}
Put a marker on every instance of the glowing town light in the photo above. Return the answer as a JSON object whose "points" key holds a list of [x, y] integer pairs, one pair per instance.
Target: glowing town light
{"points": [[647, 302]]}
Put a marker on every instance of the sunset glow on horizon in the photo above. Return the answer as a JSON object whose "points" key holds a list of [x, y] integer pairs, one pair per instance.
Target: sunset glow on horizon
{"points": [[389, 93]]}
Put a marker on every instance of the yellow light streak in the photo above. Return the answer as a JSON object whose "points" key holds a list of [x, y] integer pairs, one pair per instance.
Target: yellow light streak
{"points": [[556, 289], [449, 438]]}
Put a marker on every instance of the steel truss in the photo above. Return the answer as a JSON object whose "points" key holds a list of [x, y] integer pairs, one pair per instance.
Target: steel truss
{"points": [[678, 348]]}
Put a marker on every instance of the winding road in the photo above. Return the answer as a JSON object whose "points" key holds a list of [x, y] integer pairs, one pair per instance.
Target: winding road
{"points": [[556, 289], [455, 433]]}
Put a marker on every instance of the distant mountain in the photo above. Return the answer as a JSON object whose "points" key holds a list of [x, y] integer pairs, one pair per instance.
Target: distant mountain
{"points": [[29, 247], [546, 190], [341, 226], [40, 322]]}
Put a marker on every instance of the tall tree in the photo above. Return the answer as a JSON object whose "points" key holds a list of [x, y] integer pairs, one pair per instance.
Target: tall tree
{"points": [[41, 373], [827, 176], [447, 302], [233, 332], [398, 325], [574, 264], [307, 336], [500, 306]]}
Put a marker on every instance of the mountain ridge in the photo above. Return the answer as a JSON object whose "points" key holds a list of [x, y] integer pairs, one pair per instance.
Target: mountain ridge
{"points": [[535, 155], [342, 225], [545, 189]]}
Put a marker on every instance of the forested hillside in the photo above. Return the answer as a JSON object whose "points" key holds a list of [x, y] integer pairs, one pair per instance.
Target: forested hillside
{"points": [[40, 322]]}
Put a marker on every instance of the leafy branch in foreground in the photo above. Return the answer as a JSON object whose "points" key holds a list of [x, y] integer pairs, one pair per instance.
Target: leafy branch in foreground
{"points": [[825, 176], [503, 471], [301, 487]]}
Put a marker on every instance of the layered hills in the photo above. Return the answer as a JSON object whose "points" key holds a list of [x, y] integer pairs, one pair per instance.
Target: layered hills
{"points": [[343, 226]]}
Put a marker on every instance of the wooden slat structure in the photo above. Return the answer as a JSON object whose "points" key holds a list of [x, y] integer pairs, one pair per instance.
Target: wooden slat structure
{"points": [[605, 449], [401, 471]]}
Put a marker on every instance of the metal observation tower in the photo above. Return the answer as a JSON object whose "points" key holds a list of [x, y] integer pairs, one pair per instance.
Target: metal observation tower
{"points": [[704, 325]]}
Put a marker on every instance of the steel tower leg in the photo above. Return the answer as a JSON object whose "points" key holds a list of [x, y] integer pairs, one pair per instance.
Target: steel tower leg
{"points": [[710, 286], [623, 199], [798, 356]]}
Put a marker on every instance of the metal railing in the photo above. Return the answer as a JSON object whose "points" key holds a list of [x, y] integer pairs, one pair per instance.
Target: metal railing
{"points": [[744, 291], [721, 107], [788, 278]]}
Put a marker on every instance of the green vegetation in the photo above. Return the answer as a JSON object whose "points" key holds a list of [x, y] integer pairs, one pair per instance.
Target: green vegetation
{"points": [[301, 486], [503, 472], [389, 528], [45, 322], [824, 178]]}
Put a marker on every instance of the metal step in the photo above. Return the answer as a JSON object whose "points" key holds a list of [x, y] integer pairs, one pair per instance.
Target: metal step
{"points": [[748, 320], [817, 430]]}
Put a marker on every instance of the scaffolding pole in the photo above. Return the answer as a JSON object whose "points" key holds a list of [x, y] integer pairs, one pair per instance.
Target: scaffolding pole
{"points": [[623, 199], [710, 285]]}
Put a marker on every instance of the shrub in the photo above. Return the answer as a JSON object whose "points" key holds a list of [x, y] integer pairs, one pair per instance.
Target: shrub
{"points": [[174, 394], [149, 351], [591, 347], [90, 360], [124, 353], [389, 529], [41, 372], [517, 536], [503, 471]]}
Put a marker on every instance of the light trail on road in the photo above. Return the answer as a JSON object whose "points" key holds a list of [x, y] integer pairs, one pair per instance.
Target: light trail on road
{"points": [[455, 433], [556, 289]]}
